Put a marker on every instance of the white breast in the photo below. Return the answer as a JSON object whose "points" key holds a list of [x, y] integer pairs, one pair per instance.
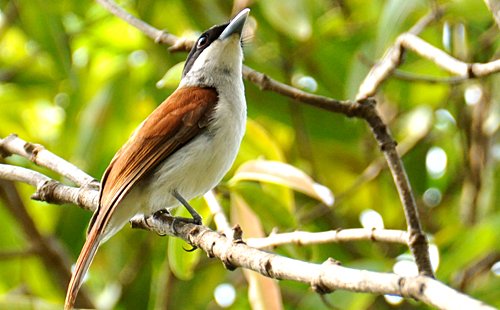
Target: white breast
{"points": [[201, 164]]}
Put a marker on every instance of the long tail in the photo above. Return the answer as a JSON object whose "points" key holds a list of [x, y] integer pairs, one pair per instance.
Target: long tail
{"points": [[87, 254]]}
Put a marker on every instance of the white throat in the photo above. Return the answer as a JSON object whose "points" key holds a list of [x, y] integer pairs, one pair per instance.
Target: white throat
{"points": [[218, 65]]}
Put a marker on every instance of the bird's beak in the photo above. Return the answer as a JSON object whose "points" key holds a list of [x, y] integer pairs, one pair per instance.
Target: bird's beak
{"points": [[236, 24]]}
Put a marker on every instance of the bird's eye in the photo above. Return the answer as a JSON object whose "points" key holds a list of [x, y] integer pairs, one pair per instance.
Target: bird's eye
{"points": [[202, 41]]}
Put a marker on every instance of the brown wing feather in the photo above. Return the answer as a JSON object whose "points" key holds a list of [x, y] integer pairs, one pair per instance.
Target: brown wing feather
{"points": [[174, 123]]}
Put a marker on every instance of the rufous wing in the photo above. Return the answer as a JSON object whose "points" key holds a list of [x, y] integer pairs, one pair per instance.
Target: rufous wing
{"points": [[180, 118]]}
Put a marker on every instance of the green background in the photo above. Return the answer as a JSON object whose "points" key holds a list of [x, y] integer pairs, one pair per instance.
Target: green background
{"points": [[78, 80]]}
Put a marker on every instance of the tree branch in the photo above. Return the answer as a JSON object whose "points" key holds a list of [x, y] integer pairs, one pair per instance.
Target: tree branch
{"points": [[218, 214], [86, 195], [333, 236], [409, 41], [414, 77], [40, 156], [365, 109], [7, 255], [50, 190], [323, 278]]}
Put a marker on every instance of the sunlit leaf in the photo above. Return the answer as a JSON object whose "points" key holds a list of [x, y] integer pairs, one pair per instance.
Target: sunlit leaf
{"points": [[172, 77], [43, 22], [245, 217], [181, 262], [476, 242], [282, 174], [258, 143], [290, 17], [393, 16], [269, 202]]}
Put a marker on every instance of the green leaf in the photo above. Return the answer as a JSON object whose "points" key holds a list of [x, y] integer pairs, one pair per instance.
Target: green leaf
{"points": [[468, 245], [42, 20], [268, 202], [182, 262], [290, 17], [258, 143], [172, 77], [282, 174], [393, 16]]}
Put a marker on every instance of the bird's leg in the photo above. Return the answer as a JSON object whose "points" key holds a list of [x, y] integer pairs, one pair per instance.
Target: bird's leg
{"points": [[195, 220], [196, 217]]}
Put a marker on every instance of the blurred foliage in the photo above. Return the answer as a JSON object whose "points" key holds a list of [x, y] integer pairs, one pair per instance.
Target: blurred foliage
{"points": [[78, 80]]}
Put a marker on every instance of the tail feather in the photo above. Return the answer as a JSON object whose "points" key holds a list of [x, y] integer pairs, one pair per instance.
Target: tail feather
{"points": [[87, 254]]}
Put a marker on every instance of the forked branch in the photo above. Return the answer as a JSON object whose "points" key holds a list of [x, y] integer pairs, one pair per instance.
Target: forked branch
{"points": [[234, 252]]}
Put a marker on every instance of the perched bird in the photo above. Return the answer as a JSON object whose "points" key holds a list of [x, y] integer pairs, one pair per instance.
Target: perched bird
{"points": [[181, 150]]}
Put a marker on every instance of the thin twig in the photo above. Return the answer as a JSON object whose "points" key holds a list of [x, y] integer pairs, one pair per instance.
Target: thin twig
{"points": [[220, 218], [411, 77], [333, 236], [409, 41], [478, 152], [434, 15], [40, 156], [445, 61], [465, 278], [391, 59], [50, 190], [14, 254]]}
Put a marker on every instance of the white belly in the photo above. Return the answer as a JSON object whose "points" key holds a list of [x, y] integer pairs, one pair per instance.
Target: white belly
{"points": [[192, 171]]}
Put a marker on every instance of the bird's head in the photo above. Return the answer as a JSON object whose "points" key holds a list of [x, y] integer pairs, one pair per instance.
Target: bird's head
{"points": [[216, 53]]}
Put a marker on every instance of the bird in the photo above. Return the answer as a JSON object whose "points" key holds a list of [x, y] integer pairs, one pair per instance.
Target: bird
{"points": [[181, 150]]}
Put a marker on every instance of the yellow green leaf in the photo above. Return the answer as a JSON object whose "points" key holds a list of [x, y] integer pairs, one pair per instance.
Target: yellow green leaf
{"points": [[275, 172]]}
